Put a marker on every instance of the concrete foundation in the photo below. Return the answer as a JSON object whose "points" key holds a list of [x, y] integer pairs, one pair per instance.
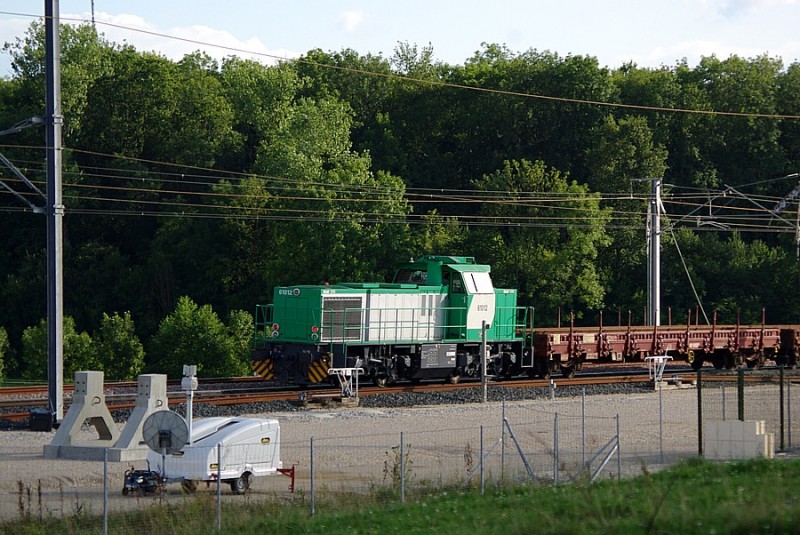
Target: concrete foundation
{"points": [[88, 406]]}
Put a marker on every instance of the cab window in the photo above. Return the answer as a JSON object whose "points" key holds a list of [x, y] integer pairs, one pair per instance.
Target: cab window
{"points": [[456, 286]]}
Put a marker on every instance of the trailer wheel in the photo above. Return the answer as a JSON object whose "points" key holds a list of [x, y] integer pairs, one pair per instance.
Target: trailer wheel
{"points": [[241, 484], [189, 486]]}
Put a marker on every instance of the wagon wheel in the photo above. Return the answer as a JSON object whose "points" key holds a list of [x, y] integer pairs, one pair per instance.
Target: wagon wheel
{"points": [[568, 371], [696, 361], [241, 484]]}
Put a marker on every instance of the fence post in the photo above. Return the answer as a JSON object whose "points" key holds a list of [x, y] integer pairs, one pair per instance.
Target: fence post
{"points": [[311, 483], [740, 393], [661, 424], [483, 482], [724, 400], [555, 449], [583, 426], [789, 409], [781, 391], [503, 444], [699, 412], [619, 453], [219, 486], [402, 471], [105, 491]]}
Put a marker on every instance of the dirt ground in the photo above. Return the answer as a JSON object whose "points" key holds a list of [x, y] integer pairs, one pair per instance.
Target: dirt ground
{"points": [[358, 446]]}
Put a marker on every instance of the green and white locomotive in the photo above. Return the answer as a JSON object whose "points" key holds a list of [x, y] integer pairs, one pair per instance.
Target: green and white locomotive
{"points": [[428, 323]]}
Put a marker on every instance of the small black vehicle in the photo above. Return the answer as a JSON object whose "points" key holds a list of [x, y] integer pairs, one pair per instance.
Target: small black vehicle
{"points": [[142, 482]]}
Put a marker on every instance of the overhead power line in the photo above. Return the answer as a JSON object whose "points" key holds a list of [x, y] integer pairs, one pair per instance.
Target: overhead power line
{"points": [[437, 83]]}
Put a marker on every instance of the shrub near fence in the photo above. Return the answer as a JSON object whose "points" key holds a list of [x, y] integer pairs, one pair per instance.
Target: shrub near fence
{"points": [[362, 456]]}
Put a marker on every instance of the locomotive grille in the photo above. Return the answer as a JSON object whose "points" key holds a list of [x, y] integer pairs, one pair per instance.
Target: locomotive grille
{"points": [[341, 318]]}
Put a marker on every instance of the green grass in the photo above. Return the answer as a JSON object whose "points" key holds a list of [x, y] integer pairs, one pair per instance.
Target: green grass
{"points": [[693, 497]]}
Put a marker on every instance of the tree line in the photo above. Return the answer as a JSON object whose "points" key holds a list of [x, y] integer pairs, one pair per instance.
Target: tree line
{"points": [[194, 187]]}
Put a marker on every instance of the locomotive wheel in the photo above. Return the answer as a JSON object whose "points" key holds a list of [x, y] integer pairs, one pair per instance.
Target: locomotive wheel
{"points": [[568, 371], [381, 380], [697, 363], [453, 378]]}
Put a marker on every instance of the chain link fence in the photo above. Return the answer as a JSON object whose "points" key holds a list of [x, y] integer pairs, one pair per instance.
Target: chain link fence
{"points": [[356, 457]]}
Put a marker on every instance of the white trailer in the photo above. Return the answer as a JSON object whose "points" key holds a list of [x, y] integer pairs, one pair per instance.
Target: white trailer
{"points": [[233, 450]]}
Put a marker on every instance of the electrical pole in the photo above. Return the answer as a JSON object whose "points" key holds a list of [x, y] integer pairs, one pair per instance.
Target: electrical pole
{"points": [[54, 213], [654, 255]]}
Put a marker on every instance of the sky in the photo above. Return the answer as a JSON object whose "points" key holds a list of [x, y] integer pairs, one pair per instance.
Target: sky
{"points": [[649, 33]]}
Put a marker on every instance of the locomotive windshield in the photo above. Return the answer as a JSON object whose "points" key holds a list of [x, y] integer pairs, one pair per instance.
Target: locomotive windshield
{"points": [[412, 276], [478, 283]]}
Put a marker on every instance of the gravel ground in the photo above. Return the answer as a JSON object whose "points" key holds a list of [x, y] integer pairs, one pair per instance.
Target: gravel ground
{"points": [[354, 442]]}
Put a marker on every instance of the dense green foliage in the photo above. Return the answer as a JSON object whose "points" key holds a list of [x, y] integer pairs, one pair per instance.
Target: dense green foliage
{"points": [[695, 497], [219, 180]]}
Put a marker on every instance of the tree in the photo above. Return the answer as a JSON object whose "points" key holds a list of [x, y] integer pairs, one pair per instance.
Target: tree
{"points": [[623, 157], [194, 334], [79, 351], [119, 350], [544, 236]]}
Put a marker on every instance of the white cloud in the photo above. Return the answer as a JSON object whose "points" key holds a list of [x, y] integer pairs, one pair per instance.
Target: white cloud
{"points": [[351, 20], [693, 51], [176, 42]]}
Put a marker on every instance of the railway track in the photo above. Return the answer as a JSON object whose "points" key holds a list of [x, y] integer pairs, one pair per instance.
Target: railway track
{"points": [[17, 402]]}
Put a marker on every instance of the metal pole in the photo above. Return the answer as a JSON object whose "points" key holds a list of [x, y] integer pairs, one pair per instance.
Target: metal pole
{"points": [[583, 425], [483, 481], [311, 485], [484, 382], [740, 393], [105, 491], [55, 212], [402, 471], [699, 412], [219, 487], [782, 409], [789, 409], [654, 256], [723, 402], [503, 443], [661, 424], [555, 449], [619, 452]]}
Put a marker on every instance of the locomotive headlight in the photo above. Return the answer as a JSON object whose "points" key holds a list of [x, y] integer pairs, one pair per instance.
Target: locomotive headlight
{"points": [[276, 327], [315, 333]]}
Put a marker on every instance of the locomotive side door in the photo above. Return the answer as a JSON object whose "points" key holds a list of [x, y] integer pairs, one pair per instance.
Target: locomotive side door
{"points": [[456, 308]]}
